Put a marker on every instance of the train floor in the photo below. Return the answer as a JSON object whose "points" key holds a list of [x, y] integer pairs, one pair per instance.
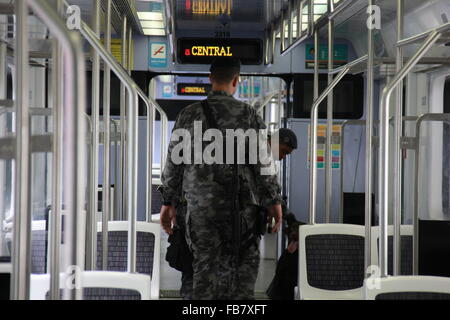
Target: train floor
{"points": [[170, 279]]}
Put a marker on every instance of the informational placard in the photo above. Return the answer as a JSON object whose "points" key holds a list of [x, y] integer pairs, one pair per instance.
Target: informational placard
{"points": [[340, 55], [116, 50], [205, 50], [167, 91], [158, 55], [321, 146], [193, 89]]}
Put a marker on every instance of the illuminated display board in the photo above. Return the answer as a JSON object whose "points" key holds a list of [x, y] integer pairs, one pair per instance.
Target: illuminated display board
{"points": [[193, 89], [204, 51]]}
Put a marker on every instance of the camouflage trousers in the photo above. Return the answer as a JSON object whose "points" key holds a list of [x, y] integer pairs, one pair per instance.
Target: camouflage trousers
{"points": [[218, 274]]}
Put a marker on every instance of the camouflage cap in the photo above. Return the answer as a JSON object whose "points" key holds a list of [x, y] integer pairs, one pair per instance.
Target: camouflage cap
{"points": [[225, 62]]}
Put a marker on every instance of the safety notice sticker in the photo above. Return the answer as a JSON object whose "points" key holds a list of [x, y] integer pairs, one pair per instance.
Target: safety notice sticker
{"points": [[158, 55]]}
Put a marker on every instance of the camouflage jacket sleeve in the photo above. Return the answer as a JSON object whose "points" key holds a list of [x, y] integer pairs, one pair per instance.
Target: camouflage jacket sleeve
{"points": [[172, 176], [266, 179]]}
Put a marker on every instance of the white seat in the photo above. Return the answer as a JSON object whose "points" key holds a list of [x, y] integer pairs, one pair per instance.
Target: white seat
{"points": [[405, 230], [306, 291], [40, 283], [146, 227], [5, 267], [406, 284]]}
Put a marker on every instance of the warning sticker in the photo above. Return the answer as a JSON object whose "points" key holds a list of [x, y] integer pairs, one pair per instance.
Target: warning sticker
{"points": [[158, 55]]}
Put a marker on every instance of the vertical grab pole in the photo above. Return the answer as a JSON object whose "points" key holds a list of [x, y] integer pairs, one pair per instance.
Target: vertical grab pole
{"points": [[398, 128], [329, 152], [91, 235], [130, 50], [116, 148], [341, 176], [313, 134], [55, 221], [369, 135], [164, 124], [416, 198], [3, 95], [383, 185], [150, 112], [21, 246], [121, 199], [107, 136], [149, 164]]}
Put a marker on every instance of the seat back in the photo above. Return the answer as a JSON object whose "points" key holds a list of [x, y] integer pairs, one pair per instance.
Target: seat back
{"points": [[331, 261], [39, 246], [98, 285], [147, 251], [408, 288], [407, 232]]}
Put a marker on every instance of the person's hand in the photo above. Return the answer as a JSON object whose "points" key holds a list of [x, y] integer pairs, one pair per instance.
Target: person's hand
{"points": [[275, 212], [167, 218], [292, 247]]}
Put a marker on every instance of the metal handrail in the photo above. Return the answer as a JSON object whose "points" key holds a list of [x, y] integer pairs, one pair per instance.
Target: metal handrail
{"points": [[132, 131], [74, 171], [313, 143], [91, 219], [164, 127], [351, 64], [420, 119], [269, 97], [383, 174], [149, 162], [107, 134], [423, 35]]}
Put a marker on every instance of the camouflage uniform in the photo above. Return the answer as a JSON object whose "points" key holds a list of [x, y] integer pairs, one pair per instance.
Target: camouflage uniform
{"points": [[209, 219]]}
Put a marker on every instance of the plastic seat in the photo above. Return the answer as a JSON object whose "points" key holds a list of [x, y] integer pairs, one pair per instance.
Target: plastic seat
{"points": [[408, 288], [40, 283], [147, 255], [331, 262]]}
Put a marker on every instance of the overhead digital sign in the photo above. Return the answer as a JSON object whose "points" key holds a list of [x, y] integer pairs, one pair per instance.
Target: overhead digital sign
{"points": [[193, 89], [204, 51]]}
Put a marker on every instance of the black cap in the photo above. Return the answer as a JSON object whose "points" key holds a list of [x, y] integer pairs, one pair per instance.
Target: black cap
{"points": [[225, 62], [287, 137]]}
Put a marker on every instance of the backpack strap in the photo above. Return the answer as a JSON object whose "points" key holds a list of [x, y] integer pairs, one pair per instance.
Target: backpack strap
{"points": [[209, 117]]}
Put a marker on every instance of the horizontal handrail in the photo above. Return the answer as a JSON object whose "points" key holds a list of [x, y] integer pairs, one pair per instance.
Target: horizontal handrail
{"points": [[423, 35], [350, 65]]}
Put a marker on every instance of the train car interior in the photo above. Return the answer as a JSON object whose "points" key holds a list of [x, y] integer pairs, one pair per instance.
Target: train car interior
{"points": [[90, 91]]}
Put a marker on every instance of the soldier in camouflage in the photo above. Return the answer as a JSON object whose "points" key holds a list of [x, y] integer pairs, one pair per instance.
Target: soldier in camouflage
{"points": [[208, 188]]}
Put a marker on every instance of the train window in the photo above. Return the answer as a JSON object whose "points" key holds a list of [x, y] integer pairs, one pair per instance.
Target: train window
{"points": [[305, 16], [320, 8], [348, 97]]}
